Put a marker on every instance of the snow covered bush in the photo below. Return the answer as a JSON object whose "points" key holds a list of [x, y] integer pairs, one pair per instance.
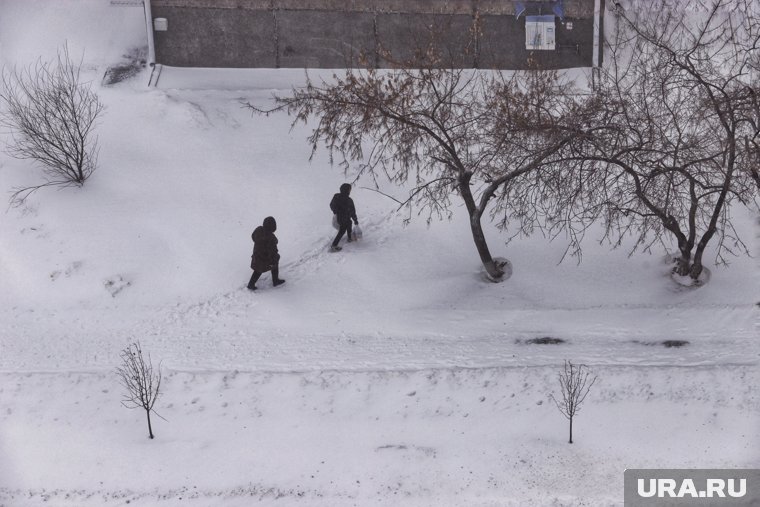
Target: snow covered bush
{"points": [[142, 384], [51, 114]]}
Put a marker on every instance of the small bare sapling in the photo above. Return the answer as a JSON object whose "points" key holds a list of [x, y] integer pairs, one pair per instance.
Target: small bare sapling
{"points": [[142, 383], [575, 381]]}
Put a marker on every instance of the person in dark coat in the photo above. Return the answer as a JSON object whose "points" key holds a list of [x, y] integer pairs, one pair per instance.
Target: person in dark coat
{"points": [[343, 208], [265, 256]]}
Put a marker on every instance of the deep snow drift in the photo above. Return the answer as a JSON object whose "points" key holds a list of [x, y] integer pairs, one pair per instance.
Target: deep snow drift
{"points": [[389, 373]]}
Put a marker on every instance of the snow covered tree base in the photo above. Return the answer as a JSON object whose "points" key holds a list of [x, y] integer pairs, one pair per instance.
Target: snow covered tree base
{"points": [[682, 282], [687, 282], [503, 264]]}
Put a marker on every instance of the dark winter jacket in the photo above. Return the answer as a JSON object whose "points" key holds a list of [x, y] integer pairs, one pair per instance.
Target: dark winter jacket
{"points": [[265, 255], [343, 206]]}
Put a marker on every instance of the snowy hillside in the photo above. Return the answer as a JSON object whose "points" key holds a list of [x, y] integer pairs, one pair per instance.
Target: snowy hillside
{"points": [[389, 373]]}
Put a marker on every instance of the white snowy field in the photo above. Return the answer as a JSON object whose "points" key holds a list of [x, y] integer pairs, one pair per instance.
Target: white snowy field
{"points": [[387, 374]]}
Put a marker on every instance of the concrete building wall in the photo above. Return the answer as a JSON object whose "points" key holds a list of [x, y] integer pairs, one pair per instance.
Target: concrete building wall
{"points": [[215, 38], [404, 38], [314, 39], [360, 33]]}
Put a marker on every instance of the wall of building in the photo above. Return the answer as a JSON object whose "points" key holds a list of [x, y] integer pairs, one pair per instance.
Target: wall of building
{"points": [[358, 33]]}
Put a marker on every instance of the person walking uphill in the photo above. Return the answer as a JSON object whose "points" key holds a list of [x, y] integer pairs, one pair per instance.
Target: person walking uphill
{"points": [[343, 208], [265, 256]]}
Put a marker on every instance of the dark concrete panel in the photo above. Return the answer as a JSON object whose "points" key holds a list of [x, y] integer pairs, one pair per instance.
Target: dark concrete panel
{"points": [[502, 43], [325, 39], [404, 38], [369, 6], [573, 8], [575, 47], [215, 38]]}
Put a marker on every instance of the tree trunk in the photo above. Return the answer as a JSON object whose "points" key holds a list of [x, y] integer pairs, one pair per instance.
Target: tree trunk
{"points": [[683, 263], [696, 266], [571, 430], [479, 238], [712, 227], [685, 244], [682, 266], [150, 428], [755, 176], [493, 270]]}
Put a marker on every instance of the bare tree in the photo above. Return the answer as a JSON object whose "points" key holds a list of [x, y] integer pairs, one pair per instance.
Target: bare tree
{"points": [[444, 132], [142, 384], [51, 116], [574, 385], [751, 45], [673, 141], [752, 138]]}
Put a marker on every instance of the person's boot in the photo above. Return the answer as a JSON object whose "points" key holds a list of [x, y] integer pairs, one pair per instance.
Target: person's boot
{"points": [[276, 280], [252, 282], [335, 248]]}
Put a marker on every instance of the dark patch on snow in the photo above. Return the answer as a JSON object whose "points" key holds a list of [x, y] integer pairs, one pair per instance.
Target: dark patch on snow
{"points": [[428, 452], [546, 340], [665, 343], [674, 343], [134, 62], [393, 447], [70, 270], [116, 284]]}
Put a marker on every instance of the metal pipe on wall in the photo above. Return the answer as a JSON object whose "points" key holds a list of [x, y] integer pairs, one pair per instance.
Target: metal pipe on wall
{"points": [[149, 32]]}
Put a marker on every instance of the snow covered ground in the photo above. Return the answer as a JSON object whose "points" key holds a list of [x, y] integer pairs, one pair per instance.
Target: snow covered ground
{"points": [[388, 374]]}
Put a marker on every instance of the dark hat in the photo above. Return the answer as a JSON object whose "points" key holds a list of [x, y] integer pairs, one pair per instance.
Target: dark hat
{"points": [[345, 188], [269, 224]]}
